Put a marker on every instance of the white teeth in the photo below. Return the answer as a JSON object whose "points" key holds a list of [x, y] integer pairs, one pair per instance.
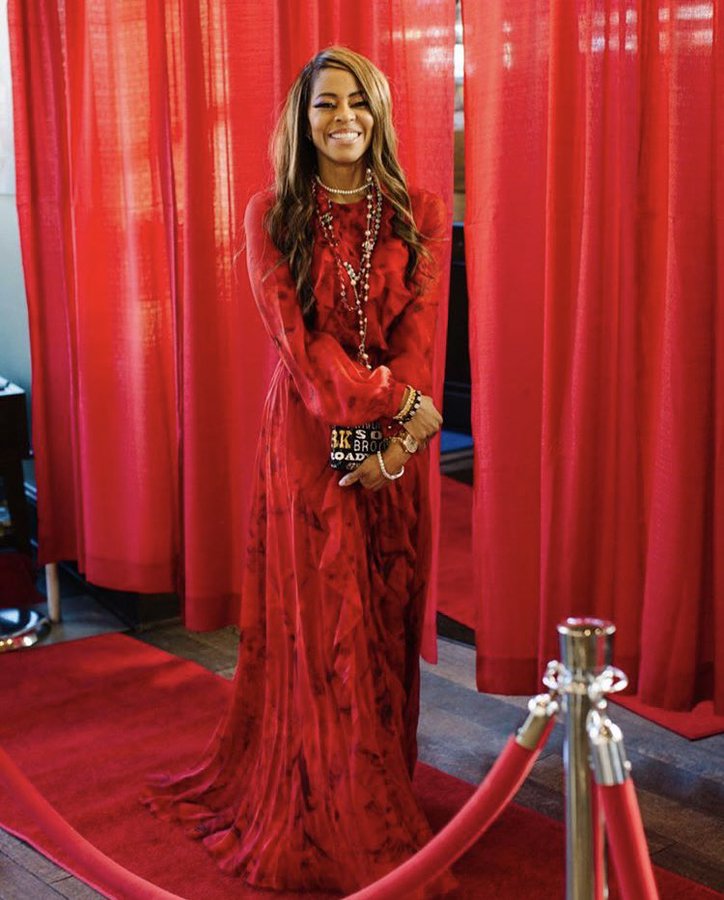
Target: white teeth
{"points": [[345, 135]]}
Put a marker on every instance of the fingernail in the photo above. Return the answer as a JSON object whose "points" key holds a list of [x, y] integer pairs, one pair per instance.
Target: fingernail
{"points": [[343, 482]]}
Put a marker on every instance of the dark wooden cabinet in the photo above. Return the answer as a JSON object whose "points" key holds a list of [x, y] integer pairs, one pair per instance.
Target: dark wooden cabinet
{"points": [[14, 448]]}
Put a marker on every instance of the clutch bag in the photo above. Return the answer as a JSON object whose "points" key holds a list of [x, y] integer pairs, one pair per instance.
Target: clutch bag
{"points": [[352, 444]]}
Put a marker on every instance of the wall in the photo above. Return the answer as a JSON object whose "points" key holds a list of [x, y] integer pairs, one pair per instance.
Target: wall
{"points": [[14, 336]]}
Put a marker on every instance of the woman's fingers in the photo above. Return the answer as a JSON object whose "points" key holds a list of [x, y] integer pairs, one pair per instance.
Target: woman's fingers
{"points": [[352, 477], [367, 474]]}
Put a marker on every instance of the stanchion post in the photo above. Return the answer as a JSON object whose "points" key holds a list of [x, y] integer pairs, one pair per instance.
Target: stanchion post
{"points": [[585, 651], [52, 586]]}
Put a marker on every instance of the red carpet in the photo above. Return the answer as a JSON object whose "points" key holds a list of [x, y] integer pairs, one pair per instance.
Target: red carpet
{"points": [[455, 589], [88, 719]]}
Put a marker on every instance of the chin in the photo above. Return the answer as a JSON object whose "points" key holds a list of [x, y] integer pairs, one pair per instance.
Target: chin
{"points": [[347, 154], [346, 158], [358, 148]]}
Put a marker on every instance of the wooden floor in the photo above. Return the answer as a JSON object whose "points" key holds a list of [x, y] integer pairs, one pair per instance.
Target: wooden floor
{"points": [[680, 786]]}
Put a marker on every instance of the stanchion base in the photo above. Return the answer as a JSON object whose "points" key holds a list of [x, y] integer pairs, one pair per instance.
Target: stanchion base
{"points": [[20, 628]]}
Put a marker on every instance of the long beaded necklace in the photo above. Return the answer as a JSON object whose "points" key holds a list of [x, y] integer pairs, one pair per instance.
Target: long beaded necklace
{"points": [[359, 279]]}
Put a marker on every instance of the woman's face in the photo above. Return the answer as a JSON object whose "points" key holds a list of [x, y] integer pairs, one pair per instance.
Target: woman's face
{"points": [[340, 121]]}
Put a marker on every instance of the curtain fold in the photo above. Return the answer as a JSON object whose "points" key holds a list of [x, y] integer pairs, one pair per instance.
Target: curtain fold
{"points": [[141, 131], [594, 253]]}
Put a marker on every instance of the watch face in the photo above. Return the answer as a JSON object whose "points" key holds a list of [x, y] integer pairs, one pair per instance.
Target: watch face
{"points": [[410, 443]]}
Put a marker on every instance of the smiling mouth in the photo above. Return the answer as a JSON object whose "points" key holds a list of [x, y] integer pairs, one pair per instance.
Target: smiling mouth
{"points": [[346, 137]]}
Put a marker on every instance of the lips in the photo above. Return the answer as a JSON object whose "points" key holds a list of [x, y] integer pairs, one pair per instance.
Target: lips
{"points": [[345, 136]]}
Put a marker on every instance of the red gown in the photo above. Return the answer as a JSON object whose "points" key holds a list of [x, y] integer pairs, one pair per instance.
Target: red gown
{"points": [[306, 781]]}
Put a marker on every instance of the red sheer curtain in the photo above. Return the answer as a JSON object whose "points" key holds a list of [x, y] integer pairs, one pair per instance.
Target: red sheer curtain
{"points": [[141, 131], [594, 155]]}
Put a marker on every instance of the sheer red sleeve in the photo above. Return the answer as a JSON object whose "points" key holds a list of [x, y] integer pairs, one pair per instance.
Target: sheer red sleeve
{"points": [[334, 387], [411, 339]]}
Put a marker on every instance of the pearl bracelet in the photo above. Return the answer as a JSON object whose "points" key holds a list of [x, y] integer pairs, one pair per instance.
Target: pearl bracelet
{"points": [[384, 470]]}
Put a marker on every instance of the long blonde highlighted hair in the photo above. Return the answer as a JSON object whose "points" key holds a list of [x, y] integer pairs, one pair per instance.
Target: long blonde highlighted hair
{"points": [[290, 220]]}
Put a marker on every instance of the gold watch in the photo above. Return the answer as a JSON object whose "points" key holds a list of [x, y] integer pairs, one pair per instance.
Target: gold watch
{"points": [[407, 441]]}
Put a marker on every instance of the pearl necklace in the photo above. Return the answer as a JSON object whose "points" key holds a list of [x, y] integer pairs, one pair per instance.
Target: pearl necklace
{"points": [[357, 190], [372, 229]]}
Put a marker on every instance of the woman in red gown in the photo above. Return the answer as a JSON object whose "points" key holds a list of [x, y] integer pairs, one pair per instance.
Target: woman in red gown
{"points": [[306, 783]]}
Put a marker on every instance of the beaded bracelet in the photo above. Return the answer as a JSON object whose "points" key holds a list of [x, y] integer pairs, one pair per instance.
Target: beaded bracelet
{"points": [[384, 469], [410, 391], [411, 407]]}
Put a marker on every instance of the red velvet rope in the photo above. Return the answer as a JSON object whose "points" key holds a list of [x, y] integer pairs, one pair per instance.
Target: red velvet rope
{"points": [[626, 837], [500, 785], [97, 869], [492, 796]]}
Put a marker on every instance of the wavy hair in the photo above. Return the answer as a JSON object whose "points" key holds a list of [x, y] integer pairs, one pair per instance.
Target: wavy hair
{"points": [[290, 219]]}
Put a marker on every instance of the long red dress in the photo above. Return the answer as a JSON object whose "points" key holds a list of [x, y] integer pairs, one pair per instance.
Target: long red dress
{"points": [[306, 781]]}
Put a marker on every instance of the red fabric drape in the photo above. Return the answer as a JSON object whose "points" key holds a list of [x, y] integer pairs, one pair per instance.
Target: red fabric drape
{"points": [[141, 131], [594, 156]]}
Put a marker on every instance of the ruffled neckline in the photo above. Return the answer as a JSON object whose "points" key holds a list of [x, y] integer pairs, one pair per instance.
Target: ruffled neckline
{"points": [[352, 221]]}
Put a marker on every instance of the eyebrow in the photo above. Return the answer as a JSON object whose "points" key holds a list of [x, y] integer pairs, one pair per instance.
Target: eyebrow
{"points": [[330, 94]]}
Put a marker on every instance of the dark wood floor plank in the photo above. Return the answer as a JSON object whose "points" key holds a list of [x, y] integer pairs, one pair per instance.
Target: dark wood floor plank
{"points": [[655, 744], [25, 855], [703, 834], [175, 640], [687, 861], [17, 883], [75, 889]]}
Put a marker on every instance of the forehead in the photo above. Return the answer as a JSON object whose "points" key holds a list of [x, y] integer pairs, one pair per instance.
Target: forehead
{"points": [[335, 81]]}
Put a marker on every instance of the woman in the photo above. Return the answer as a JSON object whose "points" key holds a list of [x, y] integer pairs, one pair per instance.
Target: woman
{"points": [[306, 782]]}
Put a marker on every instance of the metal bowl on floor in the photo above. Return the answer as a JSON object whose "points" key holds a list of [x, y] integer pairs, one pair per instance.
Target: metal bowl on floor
{"points": [[21, 628]]}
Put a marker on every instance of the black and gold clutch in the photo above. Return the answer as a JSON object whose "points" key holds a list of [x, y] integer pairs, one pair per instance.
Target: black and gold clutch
{"points": [[352, 444]]}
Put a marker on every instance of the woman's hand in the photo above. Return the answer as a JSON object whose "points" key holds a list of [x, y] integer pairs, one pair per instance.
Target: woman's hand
{"points": [[369, 474], [426, 422]]}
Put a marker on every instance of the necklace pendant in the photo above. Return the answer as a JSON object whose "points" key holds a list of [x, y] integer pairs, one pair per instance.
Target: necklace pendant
{"points": [[354, 277]]}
